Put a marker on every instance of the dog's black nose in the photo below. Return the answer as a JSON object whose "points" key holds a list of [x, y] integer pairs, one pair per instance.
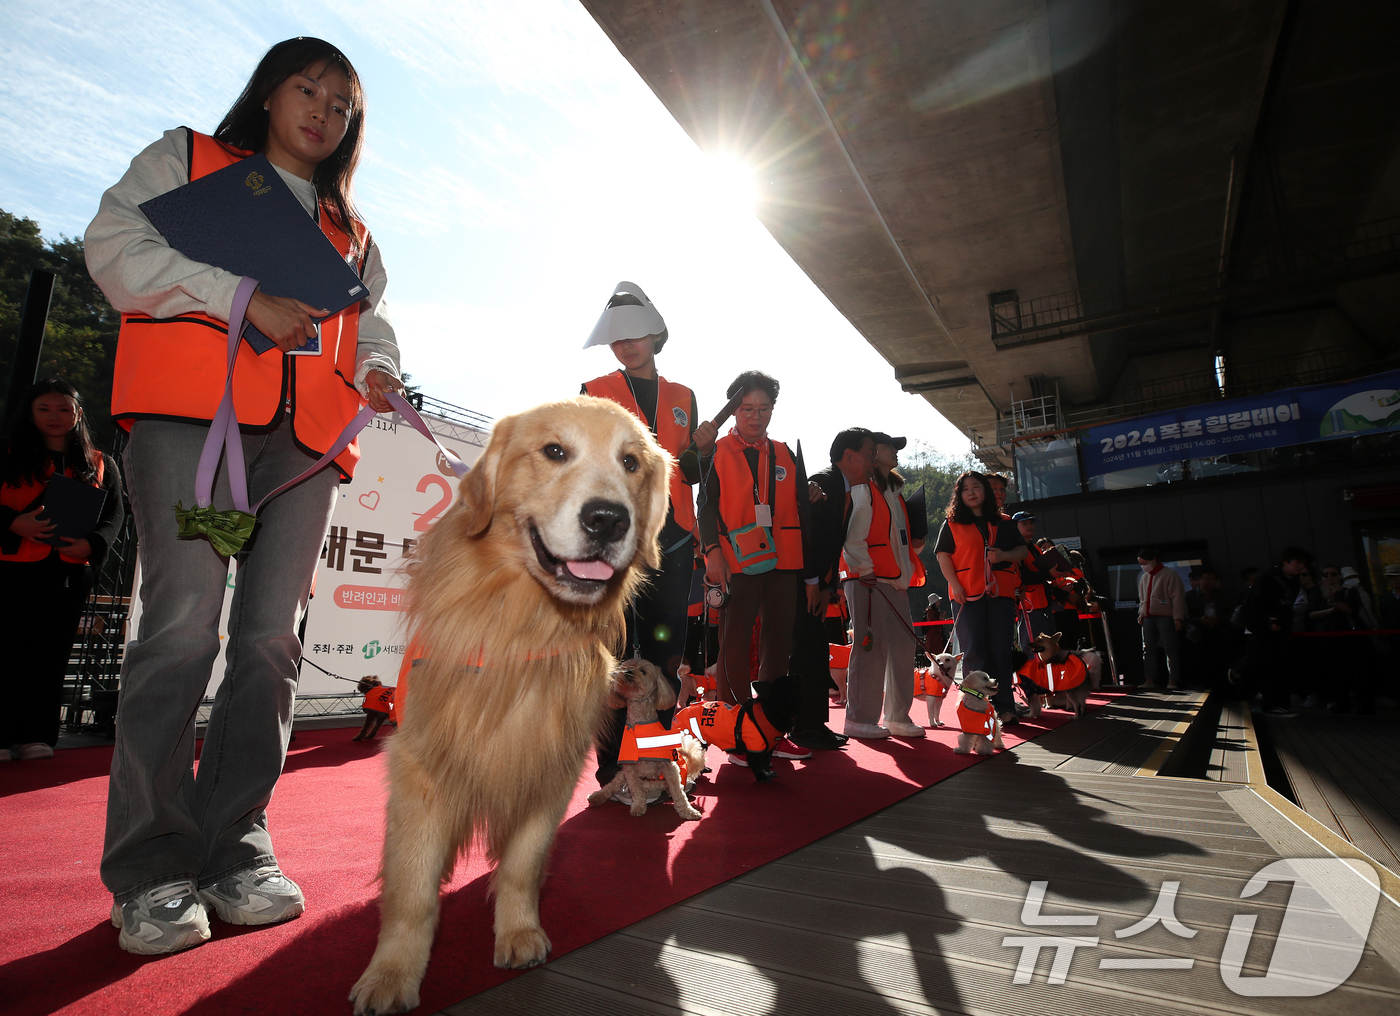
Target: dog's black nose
{"points": [[605, 521]]}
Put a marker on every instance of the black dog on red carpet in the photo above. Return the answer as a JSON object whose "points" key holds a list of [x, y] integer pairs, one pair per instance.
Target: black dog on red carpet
{"points": [[751, 728]]}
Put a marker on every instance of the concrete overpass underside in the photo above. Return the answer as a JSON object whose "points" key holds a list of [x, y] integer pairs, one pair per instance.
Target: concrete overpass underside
{"points": [[1099, 201]]}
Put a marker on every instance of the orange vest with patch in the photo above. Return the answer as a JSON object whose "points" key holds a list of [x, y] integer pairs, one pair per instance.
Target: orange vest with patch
{"points": [[1034, 592], [730, 727], [380, 700], [673, 427], [926, 685], [21, 497], [736, 499], [971, 564], [1055, 677], [174, 368], [973, 722], [657, 743]]}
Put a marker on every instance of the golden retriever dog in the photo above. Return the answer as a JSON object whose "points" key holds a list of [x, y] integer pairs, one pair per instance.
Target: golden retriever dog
{"points": [[516, 600]]}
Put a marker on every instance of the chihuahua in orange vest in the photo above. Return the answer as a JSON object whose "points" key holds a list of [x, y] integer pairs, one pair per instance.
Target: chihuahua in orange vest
{"points": [[651, 755], [1054, 675], [931, 684], [981, 728]]}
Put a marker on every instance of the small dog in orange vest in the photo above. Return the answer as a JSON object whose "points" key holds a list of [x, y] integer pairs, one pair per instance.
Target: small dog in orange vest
{"points": [[981, 729], [1053, 675], [378, 706], [931, 684], [651, 755]]}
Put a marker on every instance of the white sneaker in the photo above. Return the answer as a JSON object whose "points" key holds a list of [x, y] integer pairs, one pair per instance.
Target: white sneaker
{"points": [[261, 895], [866, 730], [162, 920], [36, 749], [905, 728]]}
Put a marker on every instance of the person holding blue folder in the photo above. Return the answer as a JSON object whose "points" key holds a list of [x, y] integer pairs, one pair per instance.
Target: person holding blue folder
{"points": [[178, 842]]}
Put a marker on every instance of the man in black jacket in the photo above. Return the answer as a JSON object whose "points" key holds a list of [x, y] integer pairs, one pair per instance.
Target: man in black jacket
{"points": [[1268, 618], [852, 460]]}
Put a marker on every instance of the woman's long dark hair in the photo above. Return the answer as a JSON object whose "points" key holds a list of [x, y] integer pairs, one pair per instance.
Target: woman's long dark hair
{"points": [[959, 512], [245, 124], [27, 455]]}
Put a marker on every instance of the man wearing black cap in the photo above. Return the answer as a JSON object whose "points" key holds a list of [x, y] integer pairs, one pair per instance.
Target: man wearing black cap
{"points": [[881, 564], [1035, 583], [852, 461]]}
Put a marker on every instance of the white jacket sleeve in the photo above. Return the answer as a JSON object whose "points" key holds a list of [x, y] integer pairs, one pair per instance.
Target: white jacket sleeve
{"points": [[128, 258], [858, 532]]}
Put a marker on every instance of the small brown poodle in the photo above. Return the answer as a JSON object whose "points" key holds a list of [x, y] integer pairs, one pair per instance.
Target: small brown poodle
{"points": [[378, 706], [651, 755]]}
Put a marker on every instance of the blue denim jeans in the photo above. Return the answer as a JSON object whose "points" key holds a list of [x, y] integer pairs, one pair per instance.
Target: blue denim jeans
{"points": [[164, 822]]}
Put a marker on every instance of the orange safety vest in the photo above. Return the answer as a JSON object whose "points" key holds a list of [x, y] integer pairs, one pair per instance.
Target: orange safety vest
{"points": [[877, 542], [971, 564], [174, 368], [654, 741], [380, 700], [736, 499], [926, 685], [22, 497], [973, 722], [1055, 677], [1033, 592], [672, 427], [730, 727]]}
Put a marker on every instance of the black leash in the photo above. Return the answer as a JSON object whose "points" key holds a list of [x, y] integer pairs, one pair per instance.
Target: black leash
{"points": [[328, 673]]}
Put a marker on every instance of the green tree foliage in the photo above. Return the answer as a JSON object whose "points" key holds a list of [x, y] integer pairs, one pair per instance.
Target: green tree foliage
{"points": [[80, 343]]}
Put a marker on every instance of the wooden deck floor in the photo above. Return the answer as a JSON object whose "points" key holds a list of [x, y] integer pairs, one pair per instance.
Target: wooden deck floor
{"points": [[1345, 772], [909, 910]]}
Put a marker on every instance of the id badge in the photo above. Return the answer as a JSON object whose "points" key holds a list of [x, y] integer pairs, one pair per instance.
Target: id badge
{"points": [[763, 516]]}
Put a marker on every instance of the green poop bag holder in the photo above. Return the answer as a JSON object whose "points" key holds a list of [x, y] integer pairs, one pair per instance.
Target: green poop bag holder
{"points": [[228, 530]]}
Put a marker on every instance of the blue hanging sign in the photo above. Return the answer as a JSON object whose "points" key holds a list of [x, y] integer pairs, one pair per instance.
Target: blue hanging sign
{"points": [[1291, 416]]}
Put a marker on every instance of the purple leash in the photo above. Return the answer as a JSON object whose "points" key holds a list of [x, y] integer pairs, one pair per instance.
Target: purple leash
{"points": [[224, 434]]}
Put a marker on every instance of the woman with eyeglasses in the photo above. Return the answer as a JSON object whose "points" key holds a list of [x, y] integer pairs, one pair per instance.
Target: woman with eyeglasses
{"points": [[752, 537]]}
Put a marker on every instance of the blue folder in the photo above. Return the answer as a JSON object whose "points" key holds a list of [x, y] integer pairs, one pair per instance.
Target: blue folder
{"points": [[246, 220]]}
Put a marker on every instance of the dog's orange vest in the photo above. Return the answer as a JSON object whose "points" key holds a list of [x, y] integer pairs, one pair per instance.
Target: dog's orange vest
{"points": [[927, 684], [1055, 677], [174, 368], [653, 741], [736, 499], [838, 656], [972, 722], [732, 728], [22, 497], [672, 424], [380, 700]]}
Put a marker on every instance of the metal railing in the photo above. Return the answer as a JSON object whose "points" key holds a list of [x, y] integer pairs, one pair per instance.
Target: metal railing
{"points": [[1200, 282]]}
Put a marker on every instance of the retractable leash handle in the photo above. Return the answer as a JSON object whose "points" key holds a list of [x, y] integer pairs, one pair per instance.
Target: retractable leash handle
{"points": [[228, 531]]}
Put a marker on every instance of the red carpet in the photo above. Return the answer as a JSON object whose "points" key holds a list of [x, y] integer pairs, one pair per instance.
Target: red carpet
{"points": [[59, 953]]}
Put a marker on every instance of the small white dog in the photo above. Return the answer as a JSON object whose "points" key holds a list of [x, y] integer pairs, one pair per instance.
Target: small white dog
{"points": [[932, 683], [981, 728]]}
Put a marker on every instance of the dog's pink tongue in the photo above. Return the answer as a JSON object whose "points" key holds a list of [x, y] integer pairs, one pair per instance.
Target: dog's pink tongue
{"points": [[599, 571]]}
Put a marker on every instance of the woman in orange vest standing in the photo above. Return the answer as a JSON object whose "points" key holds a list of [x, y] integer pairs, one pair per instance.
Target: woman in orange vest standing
{"points": [[176, 841], [45, 580], [657, 619], [752, 536], [977, 549]]}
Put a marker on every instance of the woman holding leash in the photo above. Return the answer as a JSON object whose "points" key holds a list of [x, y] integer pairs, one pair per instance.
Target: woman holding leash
{"points": [[177, 842], [43, 586], [977, 549]]}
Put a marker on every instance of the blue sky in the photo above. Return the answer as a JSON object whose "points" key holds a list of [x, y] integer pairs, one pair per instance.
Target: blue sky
{"points": [[516, 168]]}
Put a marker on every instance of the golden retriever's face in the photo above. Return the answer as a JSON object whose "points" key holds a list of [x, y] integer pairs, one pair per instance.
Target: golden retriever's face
{"points": [[579, 488]]}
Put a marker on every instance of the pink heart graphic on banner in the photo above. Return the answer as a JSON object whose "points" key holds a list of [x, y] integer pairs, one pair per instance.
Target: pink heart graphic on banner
{"points": [[370, 499]]}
